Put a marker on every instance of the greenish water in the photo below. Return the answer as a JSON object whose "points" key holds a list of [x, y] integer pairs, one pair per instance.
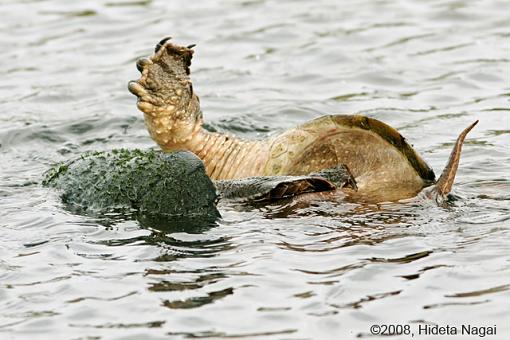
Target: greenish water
{"points": [[326, 271]]}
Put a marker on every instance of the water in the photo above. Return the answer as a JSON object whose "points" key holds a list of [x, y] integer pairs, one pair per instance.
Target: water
{"points": [[326, 271]]}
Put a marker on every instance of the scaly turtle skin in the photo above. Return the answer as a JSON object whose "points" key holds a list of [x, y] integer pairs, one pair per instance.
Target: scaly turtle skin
{"points": [[384, 165]]}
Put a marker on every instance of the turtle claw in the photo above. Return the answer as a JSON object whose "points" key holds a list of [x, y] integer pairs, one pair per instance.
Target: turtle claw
{"points": [[142, 63], [161, 43], [191, 46]]}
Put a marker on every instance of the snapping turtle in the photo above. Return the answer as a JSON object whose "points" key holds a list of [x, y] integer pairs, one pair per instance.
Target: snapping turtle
{"points": [[383, 165]]}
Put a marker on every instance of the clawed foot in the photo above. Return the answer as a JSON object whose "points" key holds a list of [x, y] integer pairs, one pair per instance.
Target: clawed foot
{"points": [[165, 79], [165, 94]]}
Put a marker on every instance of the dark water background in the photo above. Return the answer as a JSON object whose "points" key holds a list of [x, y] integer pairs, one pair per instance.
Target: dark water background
{"points": [[328, 271]]}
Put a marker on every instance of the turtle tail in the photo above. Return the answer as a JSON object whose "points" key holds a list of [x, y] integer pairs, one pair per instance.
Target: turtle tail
{"points": [[444, 184]]}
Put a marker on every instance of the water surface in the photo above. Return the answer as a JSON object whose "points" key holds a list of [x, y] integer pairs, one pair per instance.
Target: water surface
{"points": [[325, 271]]}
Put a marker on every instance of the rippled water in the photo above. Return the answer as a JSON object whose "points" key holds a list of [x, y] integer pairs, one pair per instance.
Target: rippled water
{"points": [[326, 271]]}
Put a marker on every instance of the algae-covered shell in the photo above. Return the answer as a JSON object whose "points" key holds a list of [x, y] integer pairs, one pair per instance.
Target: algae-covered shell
{"points": [[153, 182]]}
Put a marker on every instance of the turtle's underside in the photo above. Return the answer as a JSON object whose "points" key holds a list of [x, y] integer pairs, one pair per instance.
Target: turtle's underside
{"points": [[384, 166]]}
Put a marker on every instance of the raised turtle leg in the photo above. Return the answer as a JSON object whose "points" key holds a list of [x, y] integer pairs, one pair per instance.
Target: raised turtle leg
{"points": [[165, 95], [174, 120]]}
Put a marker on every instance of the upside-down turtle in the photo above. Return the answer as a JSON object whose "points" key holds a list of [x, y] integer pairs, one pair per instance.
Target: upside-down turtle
{"points": [[381, 162]]}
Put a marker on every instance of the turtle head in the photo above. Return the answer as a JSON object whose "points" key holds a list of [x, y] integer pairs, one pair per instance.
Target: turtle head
{"points": [[165, 95]]}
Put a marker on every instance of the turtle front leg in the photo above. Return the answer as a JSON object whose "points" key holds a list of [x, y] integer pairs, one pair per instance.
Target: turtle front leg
{"points": [[174, 120], [165, 96]]}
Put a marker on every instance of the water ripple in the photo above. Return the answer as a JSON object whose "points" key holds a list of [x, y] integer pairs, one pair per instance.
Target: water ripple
{"points": [[301, 269]]}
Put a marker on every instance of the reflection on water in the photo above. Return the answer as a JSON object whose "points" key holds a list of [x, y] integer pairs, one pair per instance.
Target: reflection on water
{"points": [[319, 269]]}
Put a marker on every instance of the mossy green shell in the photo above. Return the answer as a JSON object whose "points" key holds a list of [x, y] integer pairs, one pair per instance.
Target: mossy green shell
{"points": [[173, 184]]}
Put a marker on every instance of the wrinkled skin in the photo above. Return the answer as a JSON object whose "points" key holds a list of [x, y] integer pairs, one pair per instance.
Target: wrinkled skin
{"points": [[385, 167]]}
